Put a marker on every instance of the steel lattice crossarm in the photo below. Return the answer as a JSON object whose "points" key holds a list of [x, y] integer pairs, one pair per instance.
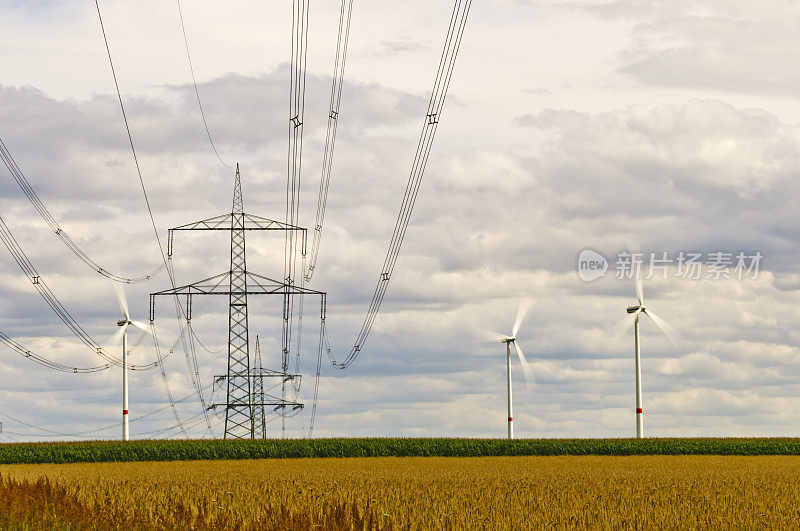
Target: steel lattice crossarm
{"points": [[220, 285], [244, 222], [272, 401], [265, 399], [269, 373]]}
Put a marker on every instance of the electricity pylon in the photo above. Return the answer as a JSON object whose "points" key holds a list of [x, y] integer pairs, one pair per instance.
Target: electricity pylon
{"points": [[259, 418], [262, 398], [237, 283]]}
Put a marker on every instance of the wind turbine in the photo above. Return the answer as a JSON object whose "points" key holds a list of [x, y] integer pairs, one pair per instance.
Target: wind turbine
{"points": [[524, 306], [636, 311], [123, 331]]}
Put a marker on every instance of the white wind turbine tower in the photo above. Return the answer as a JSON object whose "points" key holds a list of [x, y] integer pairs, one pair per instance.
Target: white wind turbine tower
{"points": [[636, 311], [123, 331], [524, 306]]}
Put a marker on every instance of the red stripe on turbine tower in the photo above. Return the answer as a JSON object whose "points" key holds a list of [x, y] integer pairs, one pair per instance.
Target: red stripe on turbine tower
{"points": [[124, 411], [510, 419], [638, 410]]}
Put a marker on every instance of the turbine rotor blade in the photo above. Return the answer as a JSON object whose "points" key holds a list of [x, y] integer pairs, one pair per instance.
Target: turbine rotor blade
{"points": [[625, 324], [526, 369], [116, 339], [122, 300], [141, 326], [491, 335], [665, 328], [524, 306], [639, 289]]}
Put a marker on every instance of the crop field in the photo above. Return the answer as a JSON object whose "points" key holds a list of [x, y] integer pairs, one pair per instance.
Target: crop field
{"points": [[597, 492], [174, 450]]}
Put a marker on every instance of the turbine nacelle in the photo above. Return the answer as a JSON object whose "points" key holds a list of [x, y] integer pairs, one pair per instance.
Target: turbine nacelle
{"points": [[508, 340], [124, 322], [634, 309]]}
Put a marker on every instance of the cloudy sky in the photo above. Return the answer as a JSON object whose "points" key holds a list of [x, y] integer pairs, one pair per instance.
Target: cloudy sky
{"points": [[569, 126]]}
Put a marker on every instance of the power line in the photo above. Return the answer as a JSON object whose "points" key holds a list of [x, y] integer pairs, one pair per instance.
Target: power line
{"points": [[167, 388], [35, 278], [441, 84], [197, 92], [297, 95], [53, 432], [27, 353], [193, 368], [337, 79], [322, 343], [55, 304], [23, 351], [191, 422], [343, 38], [297, 92], [147, 202], [53, 224], [130, 137], [107, 427], [179, 309], [40, 207]]}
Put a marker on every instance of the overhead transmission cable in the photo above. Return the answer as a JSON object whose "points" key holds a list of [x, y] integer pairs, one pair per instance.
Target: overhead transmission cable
{"points": [[27, 267], [297, 92], [196, 91], [53, 432], [102, 428], [20, 349], [192, 365], [27, 353], [340, 60], [55, 304], [130, 137], [149, 211], [191, 422], [167, 388], [191, 355], [441, 84], [322, 344], [33, 197], [180, 313], [337, 81]]}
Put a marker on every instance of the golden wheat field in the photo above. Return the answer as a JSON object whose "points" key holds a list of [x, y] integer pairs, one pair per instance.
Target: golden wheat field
{"points": [[586, 492]]}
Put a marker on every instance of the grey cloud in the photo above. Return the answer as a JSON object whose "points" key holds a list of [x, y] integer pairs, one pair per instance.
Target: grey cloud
{"points": [[720, 45], [702, 165]]}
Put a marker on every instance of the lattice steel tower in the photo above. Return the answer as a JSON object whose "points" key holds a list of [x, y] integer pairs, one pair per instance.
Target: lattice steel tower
{"points": [[259, 417], [242, 406], [239, 410]]}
